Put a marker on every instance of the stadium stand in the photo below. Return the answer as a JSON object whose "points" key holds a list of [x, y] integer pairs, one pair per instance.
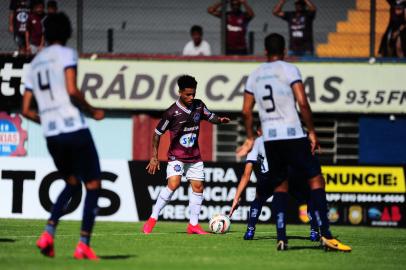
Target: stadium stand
{"points": [[352, 37], [144, 26]]}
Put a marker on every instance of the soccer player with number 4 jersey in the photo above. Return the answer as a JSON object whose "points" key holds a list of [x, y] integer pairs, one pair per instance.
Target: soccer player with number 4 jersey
{"points": [[275, 87], [182, 120], [51, 80]]}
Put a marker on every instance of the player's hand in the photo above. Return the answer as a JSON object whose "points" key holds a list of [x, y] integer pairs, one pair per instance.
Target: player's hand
{"points": [[224, 120], [314, 142], [98, 114], [236, 204], [245, 147], [153, 166], [11, 28]]}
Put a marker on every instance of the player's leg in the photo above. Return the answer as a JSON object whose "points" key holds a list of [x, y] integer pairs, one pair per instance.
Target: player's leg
{"points": [[174, 172], [279, 203], [195, 175], [87, 167], [83, 250], [58, 147], [264, 190]]}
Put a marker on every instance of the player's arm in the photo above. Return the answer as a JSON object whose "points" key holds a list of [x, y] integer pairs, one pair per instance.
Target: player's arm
{"points": [[248, 9], [245, 178], [306, 112], [277, 10], [77, 97], [215, 9], [310, 6], [26, 107], [27, 41], [247, 108], [153, 164], [219, 120]]}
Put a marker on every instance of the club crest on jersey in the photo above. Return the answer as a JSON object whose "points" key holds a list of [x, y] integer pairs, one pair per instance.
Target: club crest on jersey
{"points": [[196, 117], [177, 168], [188, 140], [12, 136]]}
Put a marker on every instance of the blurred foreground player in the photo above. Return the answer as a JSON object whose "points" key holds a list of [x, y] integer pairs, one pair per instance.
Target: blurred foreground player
{"points": [[51, 80], [276, 86], [265, 189], [182, 119]]}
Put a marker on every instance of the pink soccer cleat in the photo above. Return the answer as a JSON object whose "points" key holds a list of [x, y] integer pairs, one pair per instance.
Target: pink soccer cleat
{"points": [[149, 225], [83, 251], [197, 229], [46, 244]]}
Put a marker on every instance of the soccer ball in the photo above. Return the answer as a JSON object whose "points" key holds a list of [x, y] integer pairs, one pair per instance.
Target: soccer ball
{"points": [[219, 223]]}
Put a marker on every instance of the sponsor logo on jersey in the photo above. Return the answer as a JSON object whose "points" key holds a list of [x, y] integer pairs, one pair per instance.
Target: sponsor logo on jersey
{"points": [[188, 140], [291, 132], [365, 179], [12, 136], [355, 214]]}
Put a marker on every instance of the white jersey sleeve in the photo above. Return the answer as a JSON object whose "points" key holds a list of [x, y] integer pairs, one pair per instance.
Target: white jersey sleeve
{"points": [[257, 154], [252, 156], [27, 79], [69, 59], [292, 74]]}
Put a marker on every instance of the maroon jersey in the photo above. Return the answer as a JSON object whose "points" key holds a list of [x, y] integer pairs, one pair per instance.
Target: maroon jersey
{"points": [[236, 29], [21, 11], [184, 126], [300, 30], [34, 27]]}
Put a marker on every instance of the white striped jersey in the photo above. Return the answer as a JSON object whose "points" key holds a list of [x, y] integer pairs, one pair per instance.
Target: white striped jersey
{"points": [[46, 79], [271, 85]]}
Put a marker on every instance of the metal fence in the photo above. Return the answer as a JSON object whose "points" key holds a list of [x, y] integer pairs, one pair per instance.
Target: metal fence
{"points": [[341, 28]]}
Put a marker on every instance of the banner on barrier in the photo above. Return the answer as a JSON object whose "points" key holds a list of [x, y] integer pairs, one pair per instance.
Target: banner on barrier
{"points": [[151, 85], [28, 187]]}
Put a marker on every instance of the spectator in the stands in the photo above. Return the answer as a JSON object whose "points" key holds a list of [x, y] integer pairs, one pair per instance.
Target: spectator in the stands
{"points": [[52, 7], [17, 23], [197, 46], [393, 43], [34, 38], [300, 23], [237, 23]]}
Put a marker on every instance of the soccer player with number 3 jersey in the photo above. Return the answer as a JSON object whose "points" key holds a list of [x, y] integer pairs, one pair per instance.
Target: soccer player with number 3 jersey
{"points": [[182, 120], [276, 86], [51, 80]]}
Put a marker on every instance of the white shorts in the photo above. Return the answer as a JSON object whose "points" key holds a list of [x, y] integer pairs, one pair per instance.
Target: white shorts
{"points": [[192, 171]]}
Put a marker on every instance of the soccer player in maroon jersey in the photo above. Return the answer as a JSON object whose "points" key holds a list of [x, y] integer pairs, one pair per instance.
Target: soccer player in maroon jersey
{"points": [[182, 119]]}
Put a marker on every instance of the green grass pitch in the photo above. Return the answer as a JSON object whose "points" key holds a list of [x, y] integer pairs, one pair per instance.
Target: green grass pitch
{"points": [[123, 246]]}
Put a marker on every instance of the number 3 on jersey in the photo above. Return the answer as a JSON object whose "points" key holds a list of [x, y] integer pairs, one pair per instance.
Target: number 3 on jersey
{"points": [[44, 83], [270, 97]]}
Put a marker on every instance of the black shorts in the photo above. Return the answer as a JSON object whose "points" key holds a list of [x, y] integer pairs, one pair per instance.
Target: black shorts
{"points": [[298, 186], [75, 154], [294, 154], [19, 39]]}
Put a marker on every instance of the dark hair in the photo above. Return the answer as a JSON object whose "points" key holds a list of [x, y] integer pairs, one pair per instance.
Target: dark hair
{"points": [[57, 28], [300, 2], [196, 28], [275, 44], [37, 2], [52, 4], [186, 81]]}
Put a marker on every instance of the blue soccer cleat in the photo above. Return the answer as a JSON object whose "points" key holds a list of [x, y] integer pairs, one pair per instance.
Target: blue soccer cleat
{"points": [[314, 235], [249, 234]]}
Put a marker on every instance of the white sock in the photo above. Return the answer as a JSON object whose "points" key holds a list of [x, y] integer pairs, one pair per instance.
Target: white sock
{"points": [[164, 197], [195, 203]]}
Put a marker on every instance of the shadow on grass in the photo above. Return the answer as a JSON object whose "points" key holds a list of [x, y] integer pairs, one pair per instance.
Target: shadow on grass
{"points": [[289, 238], [303, 247], [7, 240], [117, 257]]}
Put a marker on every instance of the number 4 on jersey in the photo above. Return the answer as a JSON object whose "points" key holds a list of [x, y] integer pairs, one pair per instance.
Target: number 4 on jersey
{"points": [[45, 86], [270, 97]]}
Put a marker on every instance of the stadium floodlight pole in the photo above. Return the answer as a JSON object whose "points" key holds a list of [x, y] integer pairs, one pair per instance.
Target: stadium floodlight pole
{"points": [[223, 26], [372, 29], [79, 26]]}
